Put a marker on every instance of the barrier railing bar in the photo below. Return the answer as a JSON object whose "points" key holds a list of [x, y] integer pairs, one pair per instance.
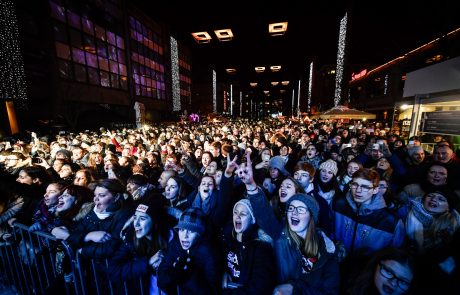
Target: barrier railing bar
{"points": [[7, 270], [78, 265], [17, 267], [34, 259], [95, 276], [110, 282]]}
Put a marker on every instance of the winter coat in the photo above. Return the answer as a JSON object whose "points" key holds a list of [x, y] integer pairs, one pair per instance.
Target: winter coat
{"points": [[419, 221], [323, 278], [249, 263], [127, 265], [216, 206], [90, 223], [367, 228], [202, 276]]}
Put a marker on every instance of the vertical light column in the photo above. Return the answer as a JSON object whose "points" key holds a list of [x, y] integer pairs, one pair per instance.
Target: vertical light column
{"points": [[292, 111], [12, 76], [385, 89], [12, 117], [214, 91], [310, 85], [175, 75], [241, 103], [298, 100], [340, 60], [231, 99]]}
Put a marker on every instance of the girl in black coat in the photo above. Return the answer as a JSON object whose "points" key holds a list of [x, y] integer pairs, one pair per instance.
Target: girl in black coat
{"points": [[97, 235], [140, 257], [248, 255], [190, 265]]}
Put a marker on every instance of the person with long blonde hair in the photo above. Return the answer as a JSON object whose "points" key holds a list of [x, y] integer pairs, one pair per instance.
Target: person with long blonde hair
{"points": [[304, 255]]}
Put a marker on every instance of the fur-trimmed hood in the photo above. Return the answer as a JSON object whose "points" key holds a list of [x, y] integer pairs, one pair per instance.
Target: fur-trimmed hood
{"points": [[84, 210]]}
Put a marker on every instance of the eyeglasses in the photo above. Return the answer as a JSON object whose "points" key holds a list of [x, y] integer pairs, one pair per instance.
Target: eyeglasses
{"points": [[389, 274], [300, 209], [382, 186], [364, 188]]}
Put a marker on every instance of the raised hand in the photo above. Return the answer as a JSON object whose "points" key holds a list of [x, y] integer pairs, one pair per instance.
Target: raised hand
{"points": [[246, 174], [231, 166], [156, 259]]}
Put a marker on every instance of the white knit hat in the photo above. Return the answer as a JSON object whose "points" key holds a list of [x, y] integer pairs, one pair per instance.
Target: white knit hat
{"points": [[247, 204], [329, 165]]}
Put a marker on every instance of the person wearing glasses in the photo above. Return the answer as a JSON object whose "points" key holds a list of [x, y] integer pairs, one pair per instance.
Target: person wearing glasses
{"points": [[390, 271], [362, 222], [305, 255]]}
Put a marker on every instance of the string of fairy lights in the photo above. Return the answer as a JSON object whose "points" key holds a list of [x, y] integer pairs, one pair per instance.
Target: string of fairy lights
{"points": [[175, 75], [12, 76], [310, 84], [214, 91], [340, 60]]}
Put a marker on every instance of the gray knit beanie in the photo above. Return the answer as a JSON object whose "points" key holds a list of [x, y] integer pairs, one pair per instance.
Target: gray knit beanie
{"points": [[309, 201]]}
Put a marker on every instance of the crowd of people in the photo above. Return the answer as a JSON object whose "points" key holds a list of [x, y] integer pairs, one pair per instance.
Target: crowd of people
{"points": [[264, 207]]}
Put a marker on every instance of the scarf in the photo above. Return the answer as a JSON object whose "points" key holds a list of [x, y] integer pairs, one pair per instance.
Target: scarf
{"points": [[421, 214], [204, 205], [102, 215]]}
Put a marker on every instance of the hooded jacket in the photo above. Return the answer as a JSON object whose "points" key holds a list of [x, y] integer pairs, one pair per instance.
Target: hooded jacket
{"points": [[367, 228]]}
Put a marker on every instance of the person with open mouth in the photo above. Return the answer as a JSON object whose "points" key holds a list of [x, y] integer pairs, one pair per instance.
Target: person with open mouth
{"points": [[389, 272], [212, 201], [304, 254], [190, 264], [96, 235], [247, 254], [435, 216]]}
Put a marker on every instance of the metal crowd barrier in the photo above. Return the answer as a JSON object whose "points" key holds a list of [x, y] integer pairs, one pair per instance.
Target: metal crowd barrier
{"points": [[28, 266], [28, 263]]}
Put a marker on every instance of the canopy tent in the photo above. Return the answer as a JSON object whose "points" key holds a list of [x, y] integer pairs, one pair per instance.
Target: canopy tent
{"points": [[343, 112]]}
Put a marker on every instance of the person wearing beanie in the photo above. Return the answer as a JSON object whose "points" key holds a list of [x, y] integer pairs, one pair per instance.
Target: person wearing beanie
{"points": [[278, 162], [304, 254], [326, 184], [329, 166], [432, 228], [190, 265], [247, 254], [433, 219], [362, 222], [138, 258], [277, 173]]}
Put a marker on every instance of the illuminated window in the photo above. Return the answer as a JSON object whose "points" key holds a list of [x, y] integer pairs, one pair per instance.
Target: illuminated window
{"points": [[147, 56], [86, 51]]}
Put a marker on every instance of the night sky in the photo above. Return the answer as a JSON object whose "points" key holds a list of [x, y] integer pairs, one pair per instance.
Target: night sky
{"points": [[379, 32]]}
